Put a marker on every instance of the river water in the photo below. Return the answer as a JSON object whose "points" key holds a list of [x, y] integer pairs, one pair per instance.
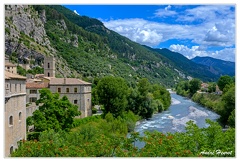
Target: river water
{"points": [[175, 118]]}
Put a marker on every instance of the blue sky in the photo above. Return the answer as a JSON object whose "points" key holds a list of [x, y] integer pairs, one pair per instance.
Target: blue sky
{"points": [[192, 30]]}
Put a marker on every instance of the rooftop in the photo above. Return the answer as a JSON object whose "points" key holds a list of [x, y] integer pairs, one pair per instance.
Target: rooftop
{"points": [[68, 81], [9, 75], [39, 76], [9, 64], [36, 85]]}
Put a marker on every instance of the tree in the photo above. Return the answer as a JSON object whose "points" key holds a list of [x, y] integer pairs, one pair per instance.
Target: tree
{"points": [[112, 93], [194, 85], [228, 101], [160, 93], [143, 86], [53, 113], [212, 87], [223, 81]]}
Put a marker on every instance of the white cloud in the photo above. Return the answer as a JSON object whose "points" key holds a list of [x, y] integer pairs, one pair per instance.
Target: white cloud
{"points": [[167, 8], [166, 12], [152, 33], [227, 54], [75, 11], [222, 34], [207, 26], [207, 13]]}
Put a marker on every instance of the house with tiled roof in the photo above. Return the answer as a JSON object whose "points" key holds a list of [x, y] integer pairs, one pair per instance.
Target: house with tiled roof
{"points": [[77, 91], [32, 89]]}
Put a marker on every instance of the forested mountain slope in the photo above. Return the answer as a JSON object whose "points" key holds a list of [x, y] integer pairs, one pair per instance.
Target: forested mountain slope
{"points": [[85, 48], [220, 66]]}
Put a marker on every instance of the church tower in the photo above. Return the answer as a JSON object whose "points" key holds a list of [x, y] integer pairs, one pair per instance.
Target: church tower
{"points": [[49, 66]]}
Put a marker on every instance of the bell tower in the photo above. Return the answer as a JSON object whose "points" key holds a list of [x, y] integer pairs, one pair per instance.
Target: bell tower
{"points": [[49, 66]]}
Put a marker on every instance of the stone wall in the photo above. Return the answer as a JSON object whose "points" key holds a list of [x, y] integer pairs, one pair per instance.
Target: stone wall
{"points": [[15, 114]]}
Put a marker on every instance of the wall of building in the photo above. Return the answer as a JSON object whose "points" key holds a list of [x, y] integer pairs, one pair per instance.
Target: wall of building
{"points": [[30, 109], [15, 108], [49, 66], [11, 69], [86, 102], [83, 97]]}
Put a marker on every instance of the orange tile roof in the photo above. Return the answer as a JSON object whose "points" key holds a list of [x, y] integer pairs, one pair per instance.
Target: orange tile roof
{"points": [[9, 75], [36, 85], [69, 81]]}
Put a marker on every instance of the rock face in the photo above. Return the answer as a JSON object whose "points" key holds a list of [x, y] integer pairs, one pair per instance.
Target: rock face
{"points": [[28, 22], [75, 40], [26, 30], [26, 38]]}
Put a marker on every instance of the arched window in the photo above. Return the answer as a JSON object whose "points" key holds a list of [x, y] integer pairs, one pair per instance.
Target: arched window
{"points": [[48, 74], [48, 65], [11, 120], [20, 116], [11, 149]]}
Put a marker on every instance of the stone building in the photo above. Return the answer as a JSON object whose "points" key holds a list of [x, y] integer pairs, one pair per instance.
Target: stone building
{"points": [[32, 89], [11, 67], [15, 111], [49, 66], [77, 91]]}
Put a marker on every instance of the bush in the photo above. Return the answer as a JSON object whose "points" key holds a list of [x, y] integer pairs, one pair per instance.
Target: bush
{"points": [[33, 136], [94, 110]]}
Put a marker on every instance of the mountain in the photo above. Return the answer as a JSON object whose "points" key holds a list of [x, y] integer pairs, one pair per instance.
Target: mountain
{"points": [[190, 68], [86, 49], [220, 66]]}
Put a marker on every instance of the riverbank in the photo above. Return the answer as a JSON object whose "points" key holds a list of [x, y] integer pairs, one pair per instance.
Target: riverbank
{"points": [[175, 118]]}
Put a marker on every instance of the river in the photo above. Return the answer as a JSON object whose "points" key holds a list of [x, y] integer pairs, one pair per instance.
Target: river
{"points": [[175, 118]]}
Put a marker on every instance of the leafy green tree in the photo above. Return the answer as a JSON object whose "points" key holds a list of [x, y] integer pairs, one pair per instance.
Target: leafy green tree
{"points": [[194, 85], [143, 86], [223, 81], [54, 112], [21, 71], [134, 101], [228, 101], [212, 87], [147, 106], [160, 93], [112, 93], [231, 119], [182, 88]]}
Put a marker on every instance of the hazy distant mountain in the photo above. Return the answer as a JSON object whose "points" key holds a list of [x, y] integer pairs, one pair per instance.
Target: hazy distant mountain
{"points": [[219, 66]]}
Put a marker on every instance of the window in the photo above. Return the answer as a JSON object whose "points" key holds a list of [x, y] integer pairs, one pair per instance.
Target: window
{"points": [[33, 91], [8, 68], [75, 90], [48, 65], [32, 99], [75, 101], [11, 120], [20, 116], [48, 74], [67, 90], [59, 90], [11, 149], [15, 87]]}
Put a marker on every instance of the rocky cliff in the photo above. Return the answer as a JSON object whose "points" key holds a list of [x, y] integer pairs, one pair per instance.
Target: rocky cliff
{"points": [[26, 40]]}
